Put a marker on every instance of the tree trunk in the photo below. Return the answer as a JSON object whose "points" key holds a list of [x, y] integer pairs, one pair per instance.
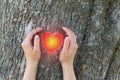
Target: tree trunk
{"points": [[95, 22]]}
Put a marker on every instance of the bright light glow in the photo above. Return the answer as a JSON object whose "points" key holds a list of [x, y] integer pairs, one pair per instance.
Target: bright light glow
{"points": [[51, 42]]}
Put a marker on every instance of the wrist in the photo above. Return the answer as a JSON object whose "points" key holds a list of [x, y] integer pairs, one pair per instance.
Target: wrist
{"points": [[29, 62], [68, 72], [67, 69], [67, 65]]}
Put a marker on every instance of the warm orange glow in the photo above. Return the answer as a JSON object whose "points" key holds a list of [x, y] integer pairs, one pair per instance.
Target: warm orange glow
{"points": [[51, 42]]}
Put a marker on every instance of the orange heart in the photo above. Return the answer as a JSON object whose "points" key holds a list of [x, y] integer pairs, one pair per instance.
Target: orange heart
{"points": [[51, 42]]}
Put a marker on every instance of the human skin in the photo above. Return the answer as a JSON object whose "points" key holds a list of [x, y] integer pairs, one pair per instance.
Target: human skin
{"points": [[67, 55], [33, 54]]}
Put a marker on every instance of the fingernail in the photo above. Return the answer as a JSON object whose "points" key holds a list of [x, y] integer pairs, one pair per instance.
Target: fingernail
{"points": [[63, 27], [67, 39], [36, 36]]}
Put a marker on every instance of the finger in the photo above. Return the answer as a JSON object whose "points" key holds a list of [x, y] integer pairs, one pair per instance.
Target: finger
{"points": [[68, 32], [32, 33], [73, 47], [26, 45], [36, 44], [66, 45], [27, 40]]}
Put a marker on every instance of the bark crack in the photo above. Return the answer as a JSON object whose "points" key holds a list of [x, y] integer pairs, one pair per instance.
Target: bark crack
{"points": [[87, 22], [111, 61]]}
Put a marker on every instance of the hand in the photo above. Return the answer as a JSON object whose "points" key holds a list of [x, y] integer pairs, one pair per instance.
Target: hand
{"points": [[69, 48], [32, 52]]}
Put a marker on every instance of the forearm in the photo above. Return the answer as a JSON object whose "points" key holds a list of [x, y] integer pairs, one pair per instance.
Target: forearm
{"points": [[30, 71], [68, 72]]}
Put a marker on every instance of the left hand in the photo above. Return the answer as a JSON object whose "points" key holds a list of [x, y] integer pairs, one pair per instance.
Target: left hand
{"points": [[32, 53]]}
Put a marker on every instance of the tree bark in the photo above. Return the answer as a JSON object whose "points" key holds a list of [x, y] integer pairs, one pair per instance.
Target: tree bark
{"points": [[95, 22]]}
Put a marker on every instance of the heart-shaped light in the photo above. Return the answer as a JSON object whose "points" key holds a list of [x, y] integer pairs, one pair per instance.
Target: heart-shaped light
{"points": [[51, 42]]}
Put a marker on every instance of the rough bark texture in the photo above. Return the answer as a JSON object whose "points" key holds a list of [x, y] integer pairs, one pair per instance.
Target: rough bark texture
{"points": [[95, 22]]}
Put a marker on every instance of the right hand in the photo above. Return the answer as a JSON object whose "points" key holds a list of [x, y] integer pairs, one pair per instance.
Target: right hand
{"points": [[70, 46]]}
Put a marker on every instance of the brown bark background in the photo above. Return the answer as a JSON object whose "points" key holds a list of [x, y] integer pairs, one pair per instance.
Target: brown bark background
{"points": [[95, 22]]}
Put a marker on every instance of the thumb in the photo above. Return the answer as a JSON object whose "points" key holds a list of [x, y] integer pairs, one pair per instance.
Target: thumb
{"points": [[66, 45], [36, 44]]}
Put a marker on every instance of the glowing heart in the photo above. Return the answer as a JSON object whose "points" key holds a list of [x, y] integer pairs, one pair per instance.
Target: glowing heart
{"points": [[51, 42]]}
